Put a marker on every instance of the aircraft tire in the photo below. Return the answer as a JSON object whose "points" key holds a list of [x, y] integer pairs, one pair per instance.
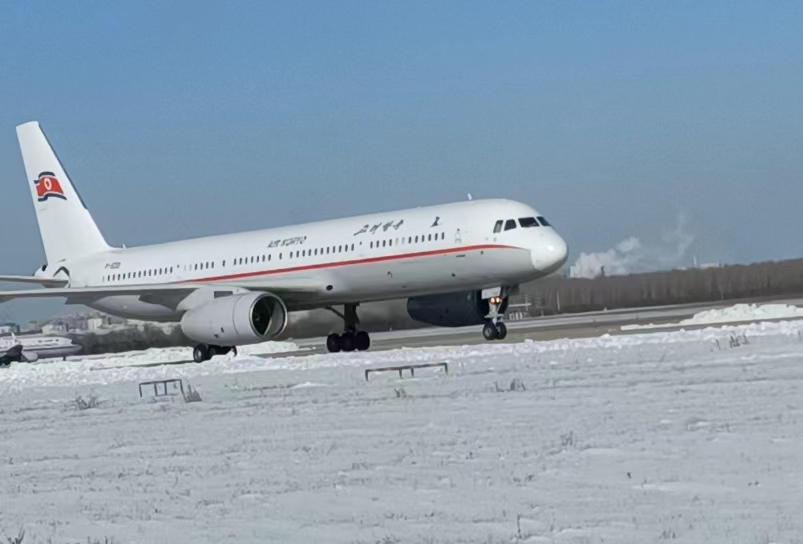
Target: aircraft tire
{"points": [[489, 332], [333, 343], [201, 353], [362, 341]]}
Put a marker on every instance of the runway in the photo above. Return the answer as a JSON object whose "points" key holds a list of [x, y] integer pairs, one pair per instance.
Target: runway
{"points": [[583, 325]]}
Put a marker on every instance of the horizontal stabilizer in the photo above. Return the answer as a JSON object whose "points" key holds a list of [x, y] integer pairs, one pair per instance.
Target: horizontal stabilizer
{"points": [[46, 282]]}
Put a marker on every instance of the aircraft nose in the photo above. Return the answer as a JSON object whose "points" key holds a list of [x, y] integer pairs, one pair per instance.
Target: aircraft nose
{"points": [[551, 253], [561, 250]]}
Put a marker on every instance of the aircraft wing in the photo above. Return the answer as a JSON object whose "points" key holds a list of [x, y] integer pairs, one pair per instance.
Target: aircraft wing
{"points": [[294, 290], [45, 282]]}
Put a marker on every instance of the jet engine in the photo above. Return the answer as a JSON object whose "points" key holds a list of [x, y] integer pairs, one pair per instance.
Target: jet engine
{"points": [[246, 318], [461, 309]]}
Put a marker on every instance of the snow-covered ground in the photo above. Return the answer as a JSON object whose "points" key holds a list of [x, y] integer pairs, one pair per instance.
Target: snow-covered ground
{"points": [[732, 314], [693, 436]]}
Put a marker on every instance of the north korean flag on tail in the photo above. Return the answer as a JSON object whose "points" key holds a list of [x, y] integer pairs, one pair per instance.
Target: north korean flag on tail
{"points": [[47, 185]]}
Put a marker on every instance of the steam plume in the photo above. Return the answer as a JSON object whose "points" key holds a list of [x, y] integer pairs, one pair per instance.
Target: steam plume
{"points": [[632, 256]]}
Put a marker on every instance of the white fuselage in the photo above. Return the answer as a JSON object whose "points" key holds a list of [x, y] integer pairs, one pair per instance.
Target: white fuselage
{"points": [[42, 346], [435, 249]]}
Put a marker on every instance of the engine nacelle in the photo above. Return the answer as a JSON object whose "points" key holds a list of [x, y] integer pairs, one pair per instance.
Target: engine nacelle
{"points": [[461, 309], [246, 318]]}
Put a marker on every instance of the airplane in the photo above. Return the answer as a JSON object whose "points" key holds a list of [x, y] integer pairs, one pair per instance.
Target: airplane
{"points": [[31, 348], [456, 264]]}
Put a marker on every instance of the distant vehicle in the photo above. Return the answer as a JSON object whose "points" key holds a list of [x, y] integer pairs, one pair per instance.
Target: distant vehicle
{"points": [[456, 264], [28, 349]]}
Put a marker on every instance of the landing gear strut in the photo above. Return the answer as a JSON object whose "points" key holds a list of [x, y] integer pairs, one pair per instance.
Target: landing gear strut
{"points": [[494, 328], [203, 352], [350, 339]]}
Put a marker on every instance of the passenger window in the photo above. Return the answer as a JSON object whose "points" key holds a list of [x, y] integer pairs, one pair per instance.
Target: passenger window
{"points": [[352, 247], [543, 221], [498, 226], [510, 224]]}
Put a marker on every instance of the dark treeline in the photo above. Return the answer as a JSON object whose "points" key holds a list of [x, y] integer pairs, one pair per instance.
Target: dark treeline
{"points": [[732, 282], [546, 297]]}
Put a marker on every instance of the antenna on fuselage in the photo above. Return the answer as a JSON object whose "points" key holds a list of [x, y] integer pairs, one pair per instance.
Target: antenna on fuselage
{"points": [[469, 196]]}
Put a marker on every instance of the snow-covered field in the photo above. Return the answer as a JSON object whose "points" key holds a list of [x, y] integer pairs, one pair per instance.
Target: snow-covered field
{"points": [[732, 314], [691, 436]]}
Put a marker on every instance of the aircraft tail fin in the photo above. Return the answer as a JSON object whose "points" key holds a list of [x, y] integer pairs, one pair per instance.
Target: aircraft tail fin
{"points": [[65, 224]]}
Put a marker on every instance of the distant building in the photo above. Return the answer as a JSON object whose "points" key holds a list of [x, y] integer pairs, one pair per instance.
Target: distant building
{"points": [[9, 328], [54, 328]]}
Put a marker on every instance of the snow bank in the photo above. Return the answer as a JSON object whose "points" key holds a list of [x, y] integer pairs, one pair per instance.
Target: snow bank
{"points": [[732, 314], [649, 437], [159, 364]]}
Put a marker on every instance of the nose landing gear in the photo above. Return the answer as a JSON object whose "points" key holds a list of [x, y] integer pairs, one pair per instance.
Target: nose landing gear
{"points": [[494, 328]]}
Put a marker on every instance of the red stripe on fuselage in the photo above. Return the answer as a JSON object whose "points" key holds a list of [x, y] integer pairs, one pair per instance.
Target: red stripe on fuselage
{"points": [[366, 260]]}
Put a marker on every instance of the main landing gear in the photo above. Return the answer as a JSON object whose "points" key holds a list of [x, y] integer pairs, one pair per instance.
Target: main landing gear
{"points": [[494, 328], [350, 339], [203, 352]]}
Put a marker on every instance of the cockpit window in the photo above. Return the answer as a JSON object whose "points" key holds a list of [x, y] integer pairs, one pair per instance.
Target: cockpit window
{"points": [[498, 226], [528, 222], [543, 221], [510, 224]]}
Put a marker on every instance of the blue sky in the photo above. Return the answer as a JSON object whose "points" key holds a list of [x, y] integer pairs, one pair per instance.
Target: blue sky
{"points": [[185, 119]]}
